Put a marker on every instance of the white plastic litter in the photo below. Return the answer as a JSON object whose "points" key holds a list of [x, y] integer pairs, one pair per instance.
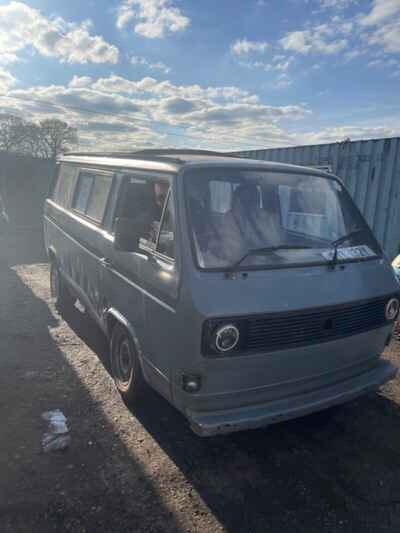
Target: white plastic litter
{"points": [[57, 437], [80, 306]]}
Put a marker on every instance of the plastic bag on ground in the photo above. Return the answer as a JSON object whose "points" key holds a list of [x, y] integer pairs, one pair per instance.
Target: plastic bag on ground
{"points": [[57, 437]]}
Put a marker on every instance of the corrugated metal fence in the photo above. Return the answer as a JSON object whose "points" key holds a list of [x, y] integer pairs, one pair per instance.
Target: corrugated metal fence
{"points": [[371, 172]]}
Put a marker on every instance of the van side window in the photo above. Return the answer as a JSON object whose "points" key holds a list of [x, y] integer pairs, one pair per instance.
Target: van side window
{"points": [[82, 192], [98, 198], [91, 194], [64, 185], [143, 201], [166, 240], [112, 203]]}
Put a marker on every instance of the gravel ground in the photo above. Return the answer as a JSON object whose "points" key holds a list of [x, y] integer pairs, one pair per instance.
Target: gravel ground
{"points": [[144, 471]]}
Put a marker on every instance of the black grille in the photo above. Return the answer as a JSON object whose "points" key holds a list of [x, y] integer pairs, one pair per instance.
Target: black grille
{"points": [[287, 330], [267, 333]]}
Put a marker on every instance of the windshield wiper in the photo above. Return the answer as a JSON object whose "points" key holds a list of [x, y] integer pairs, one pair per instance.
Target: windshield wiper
{"points": [[335, 244], [268, 249]]}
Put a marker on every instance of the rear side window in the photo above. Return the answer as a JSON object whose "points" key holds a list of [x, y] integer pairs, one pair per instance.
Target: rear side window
{"points": [[82, 192], [65, 184], [98, 198], [91, 194]]}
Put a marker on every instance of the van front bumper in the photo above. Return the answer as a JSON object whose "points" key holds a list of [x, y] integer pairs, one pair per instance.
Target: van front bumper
{"points": [[255, 416]]}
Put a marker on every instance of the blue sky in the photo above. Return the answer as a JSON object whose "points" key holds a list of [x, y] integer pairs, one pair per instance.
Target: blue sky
{"points": [[226, 74]]}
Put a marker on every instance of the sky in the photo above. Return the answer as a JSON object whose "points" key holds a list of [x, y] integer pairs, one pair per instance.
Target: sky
{"points": [[216, 74]]}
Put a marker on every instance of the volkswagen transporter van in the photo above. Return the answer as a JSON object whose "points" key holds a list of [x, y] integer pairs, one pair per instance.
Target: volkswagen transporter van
{"points": [[245, 292]]}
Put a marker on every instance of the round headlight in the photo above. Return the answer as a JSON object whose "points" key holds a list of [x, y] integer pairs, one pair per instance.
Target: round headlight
{"points": [[226, 338], [392, 309]]}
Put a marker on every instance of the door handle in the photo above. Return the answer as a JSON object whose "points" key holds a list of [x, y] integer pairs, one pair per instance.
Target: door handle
{"points": [[105, 262]]}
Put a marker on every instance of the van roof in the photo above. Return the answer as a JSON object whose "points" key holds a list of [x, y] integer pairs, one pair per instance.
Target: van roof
{"points": [[169, 160]]}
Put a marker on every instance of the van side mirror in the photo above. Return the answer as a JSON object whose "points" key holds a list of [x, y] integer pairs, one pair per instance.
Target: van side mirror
{"points": [[127, 233]]}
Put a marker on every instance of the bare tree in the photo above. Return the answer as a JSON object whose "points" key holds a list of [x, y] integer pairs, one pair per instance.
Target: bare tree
{"points": [[47, 139], [34, 144], [13, 133], [56, 137]]}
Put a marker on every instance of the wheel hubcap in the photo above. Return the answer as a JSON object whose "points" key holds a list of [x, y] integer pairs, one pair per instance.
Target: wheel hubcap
{"points": [[124, 363]]}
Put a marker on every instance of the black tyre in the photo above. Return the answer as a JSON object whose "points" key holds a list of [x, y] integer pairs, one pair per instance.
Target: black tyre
{"points": [[125, 366], [63, 299]]}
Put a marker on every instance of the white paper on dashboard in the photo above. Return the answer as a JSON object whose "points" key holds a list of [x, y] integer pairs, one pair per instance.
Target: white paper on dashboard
{"points": [[351, 252]]}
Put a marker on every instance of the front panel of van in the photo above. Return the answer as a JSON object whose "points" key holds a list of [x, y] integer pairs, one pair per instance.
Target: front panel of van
{"points": [[304, 329]]}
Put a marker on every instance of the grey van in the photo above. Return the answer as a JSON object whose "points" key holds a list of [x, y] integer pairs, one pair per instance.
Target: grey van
{"points": [[245, 292]]}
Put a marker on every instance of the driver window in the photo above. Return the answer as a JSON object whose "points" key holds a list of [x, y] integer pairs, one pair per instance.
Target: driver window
{"points": [[166, 240], [143, 201]]}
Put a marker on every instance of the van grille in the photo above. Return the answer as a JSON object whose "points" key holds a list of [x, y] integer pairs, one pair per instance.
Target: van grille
{"points": [[267, 333], [283, 331]]}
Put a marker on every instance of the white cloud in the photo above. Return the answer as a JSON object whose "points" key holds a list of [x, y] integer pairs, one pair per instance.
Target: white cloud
{"points": [[342, 25], [165, 89], [279, 64], [159, 65], [337, 4], [382, 25], [152, 18], [8, 58], [282, 82], [320, 39], [147, 111], [353, 54], [244, 47], [22, 26], [78, 82], [7, 80], [375, 63], [123, 113], [384, 63], [387, 36], [381, 11], [338, 134], [376, 32]]}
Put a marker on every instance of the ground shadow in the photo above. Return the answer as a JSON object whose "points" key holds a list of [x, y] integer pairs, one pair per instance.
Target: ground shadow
{"points": [[89, 332], [22, 246], [65, 491]]}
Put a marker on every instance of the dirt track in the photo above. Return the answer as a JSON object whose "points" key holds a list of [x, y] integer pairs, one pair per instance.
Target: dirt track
{"points": [[145, 471]]}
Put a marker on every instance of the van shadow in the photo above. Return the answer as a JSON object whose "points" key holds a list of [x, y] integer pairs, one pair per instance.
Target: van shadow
{"points": [[22, 246], [331, 471], [80, 489]]}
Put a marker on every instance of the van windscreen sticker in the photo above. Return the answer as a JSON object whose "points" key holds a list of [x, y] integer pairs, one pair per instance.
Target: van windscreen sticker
{"points": [[351, 252]]}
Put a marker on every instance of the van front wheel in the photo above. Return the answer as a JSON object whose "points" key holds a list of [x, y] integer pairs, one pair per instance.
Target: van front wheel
{"points": [[125, 366]]}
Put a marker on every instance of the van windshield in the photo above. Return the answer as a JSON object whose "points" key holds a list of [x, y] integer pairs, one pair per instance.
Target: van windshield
{"points": [[251, 219]]}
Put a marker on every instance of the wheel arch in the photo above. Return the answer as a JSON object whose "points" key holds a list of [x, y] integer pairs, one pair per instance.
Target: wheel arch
{"points": [[114, 317]]}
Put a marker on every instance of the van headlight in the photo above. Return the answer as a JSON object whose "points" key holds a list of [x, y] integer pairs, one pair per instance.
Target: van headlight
{"points": [[226, 338], [392, 309], [223, 338]]}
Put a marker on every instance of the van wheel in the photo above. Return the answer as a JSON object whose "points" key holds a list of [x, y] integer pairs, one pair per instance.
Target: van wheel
{"points": [[125, 366], [59, 291]]}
